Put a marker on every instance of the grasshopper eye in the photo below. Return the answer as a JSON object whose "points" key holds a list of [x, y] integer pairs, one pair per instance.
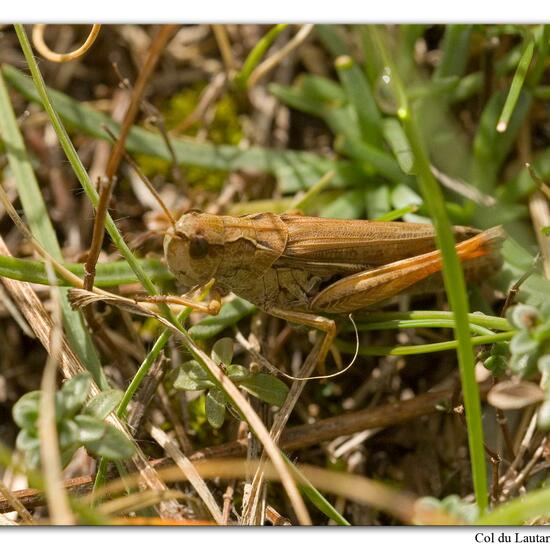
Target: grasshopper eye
{"points": [[198, 247]]}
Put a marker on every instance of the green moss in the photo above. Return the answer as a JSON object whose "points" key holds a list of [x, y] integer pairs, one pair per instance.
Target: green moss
{"points": [[225, 128]]}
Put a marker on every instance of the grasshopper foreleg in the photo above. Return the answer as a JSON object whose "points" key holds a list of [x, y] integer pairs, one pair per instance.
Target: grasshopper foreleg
{"points": [[212, 307]]}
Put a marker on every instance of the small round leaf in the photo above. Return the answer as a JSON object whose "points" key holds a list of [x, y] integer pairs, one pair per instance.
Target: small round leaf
{"points": [[114, 445], [237, 373], [27, 440], [102, 404], [68, 433], [267, 388], [215, 408], [222, 351], [75, 392], [25, 411], [523, 343], [90, 428]]}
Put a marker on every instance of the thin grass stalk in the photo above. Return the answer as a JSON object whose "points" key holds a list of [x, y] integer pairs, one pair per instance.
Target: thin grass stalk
{"points": [[453, 277]]}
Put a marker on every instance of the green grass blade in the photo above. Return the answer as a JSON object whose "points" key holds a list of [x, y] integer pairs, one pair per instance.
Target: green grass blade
{"points": [[516, 86], [109, 274], [455, 286], [331, 39], [377, 159], [455, 47], [397, 140], [255, 56], [529, 506], [42, 228], [361, 98], [314, 496], [420, 349], [492, 147]]}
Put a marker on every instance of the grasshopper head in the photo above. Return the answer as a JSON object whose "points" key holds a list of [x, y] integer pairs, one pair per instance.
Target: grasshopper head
{"points": [[194, 248]]}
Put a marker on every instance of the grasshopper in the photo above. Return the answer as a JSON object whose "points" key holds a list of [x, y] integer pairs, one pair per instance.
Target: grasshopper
{"points": [[300, 268]]}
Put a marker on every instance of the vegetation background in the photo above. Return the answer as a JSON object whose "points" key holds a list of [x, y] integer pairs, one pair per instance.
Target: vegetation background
{"points": [[110, 417]]}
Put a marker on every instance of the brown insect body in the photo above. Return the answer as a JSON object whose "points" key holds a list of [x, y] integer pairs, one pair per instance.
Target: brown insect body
{"points": [[317, 265]]}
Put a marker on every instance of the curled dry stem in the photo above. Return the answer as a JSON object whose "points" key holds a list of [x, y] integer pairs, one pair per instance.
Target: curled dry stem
{"points": [[44, 50]]}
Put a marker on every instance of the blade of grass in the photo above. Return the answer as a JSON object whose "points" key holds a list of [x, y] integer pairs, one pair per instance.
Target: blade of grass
{"points": [[380, 351], [315, 497], [516, 86], [529, 506], [255, 56], [455, 47], [454, 282], [361, 98], [109, 274], [543, 45], [42, 228], [479, 319]]}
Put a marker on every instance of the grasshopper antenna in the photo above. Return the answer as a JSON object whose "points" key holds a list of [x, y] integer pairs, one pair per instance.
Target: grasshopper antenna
{"points": [[143, 178], [334, 374]]}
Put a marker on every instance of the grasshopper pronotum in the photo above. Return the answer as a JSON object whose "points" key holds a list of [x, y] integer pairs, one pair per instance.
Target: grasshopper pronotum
{"points": [[299, 268]]}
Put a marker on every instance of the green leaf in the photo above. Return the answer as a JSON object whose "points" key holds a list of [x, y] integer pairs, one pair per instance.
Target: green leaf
{"points": [[491, 147], [455, 48], [373, 157], [102, 404], [192, 377], [184, 382], [27, 440], [74, 393], [377, 200], [215, 407], [114, 445], [90, 428], [397, 140], [237, 373], [32, 458], [68, 433], [25, 410], [222, 351], [314, 496], [361, 98], [522, 343], [266, 387], [229, 315], [348, 206]]}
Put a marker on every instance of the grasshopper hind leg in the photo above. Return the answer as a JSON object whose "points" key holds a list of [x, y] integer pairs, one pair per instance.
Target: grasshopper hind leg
{"points": [[328, 326], [479, 254]]}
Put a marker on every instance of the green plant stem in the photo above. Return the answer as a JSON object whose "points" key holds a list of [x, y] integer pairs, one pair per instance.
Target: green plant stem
{"points": [[256, 54], [425, 323], [453, 277], [489, 321], [377, 351]]}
